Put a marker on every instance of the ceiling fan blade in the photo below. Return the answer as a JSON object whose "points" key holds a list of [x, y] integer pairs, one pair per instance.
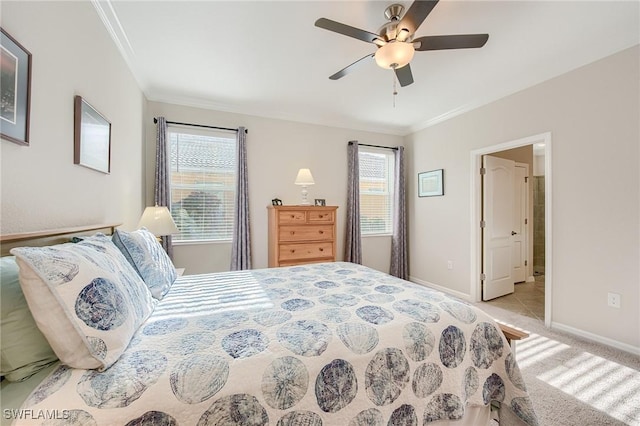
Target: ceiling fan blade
{"points": [[347, 30], [346, 70], [417, 13], [405, 77], [462, 41]]}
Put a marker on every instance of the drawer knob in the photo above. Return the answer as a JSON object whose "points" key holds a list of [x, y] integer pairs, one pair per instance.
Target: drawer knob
{"points": [[293, 232], [293, 251], [320, 216], [321, 249], [321, 232], [293, 217]]}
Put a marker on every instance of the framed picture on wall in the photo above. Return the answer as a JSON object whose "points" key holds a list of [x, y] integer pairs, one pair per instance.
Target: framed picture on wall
{"points": [[431, 184], [92, 137], [15, 90]]}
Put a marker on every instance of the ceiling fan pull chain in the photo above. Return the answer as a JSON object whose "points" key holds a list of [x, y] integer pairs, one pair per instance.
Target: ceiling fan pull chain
{"points": [[395, 90]]}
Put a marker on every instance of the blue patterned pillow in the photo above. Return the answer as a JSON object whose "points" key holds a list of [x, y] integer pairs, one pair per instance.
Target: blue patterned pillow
{"points": [[146, 255], [86, 299]]}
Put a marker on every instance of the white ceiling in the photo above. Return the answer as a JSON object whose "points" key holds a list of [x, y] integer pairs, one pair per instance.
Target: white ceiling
{"points": [[267, 58]]}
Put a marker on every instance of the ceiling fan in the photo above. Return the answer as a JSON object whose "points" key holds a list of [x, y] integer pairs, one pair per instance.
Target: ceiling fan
{"points": [[395, 41]]}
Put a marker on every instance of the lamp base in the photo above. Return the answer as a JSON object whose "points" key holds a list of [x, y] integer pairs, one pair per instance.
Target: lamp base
{"points": [[305, 200]]}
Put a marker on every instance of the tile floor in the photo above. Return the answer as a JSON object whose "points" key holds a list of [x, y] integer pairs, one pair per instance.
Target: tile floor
{"points": [[528, 299]]}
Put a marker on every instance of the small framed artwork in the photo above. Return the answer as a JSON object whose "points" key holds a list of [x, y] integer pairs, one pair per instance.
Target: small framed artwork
{"points": [[320, 202], [15, 88], [276, 202], [92, 138], [431, 184]]}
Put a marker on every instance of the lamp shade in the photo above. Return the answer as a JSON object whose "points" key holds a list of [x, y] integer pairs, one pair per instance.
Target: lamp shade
{"points": [[395, 54], [304, 177], [158, 221]]}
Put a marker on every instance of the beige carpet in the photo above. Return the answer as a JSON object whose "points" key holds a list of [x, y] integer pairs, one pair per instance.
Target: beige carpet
{"points": [[573, 381]]}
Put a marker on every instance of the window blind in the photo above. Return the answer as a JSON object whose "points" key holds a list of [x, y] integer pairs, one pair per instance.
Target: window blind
{"points": [[203, 179], [376, 191]]}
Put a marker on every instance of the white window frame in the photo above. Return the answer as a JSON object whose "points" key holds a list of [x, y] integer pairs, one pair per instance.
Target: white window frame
{"points": [[210, 133], [390, 158]]}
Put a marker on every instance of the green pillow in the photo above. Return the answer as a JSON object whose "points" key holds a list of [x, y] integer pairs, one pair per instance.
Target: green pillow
{"points": [[23, 349]]}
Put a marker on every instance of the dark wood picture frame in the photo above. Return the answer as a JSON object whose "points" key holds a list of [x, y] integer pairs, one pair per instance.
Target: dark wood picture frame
{"points": [[15, 90], [431, 184], [92, 137]]}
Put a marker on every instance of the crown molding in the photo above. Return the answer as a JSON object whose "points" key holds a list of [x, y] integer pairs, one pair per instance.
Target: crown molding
{"points": [[110, 20]]}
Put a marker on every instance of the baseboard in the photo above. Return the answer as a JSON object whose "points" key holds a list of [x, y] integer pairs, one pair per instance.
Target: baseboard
{"points": [[457, 294], [635, 350]]}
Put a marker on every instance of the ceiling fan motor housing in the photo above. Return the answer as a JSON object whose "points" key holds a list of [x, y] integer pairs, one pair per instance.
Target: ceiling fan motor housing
{"points": [[393, 14]]}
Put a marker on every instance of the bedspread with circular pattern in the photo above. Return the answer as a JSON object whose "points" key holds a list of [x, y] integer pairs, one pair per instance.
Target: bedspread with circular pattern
{"points": [[323, 344]]}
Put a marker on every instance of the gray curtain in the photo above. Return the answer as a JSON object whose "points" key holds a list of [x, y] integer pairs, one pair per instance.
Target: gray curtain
{"points": [[241, 244], [353, 243], [162, 196], [399, 253]]}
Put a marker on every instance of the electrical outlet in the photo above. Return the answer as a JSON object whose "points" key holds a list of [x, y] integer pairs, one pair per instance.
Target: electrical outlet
{"points": [[449, 264], [613, 299]]}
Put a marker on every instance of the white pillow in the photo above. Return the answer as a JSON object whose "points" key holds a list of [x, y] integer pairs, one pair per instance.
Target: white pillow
{"points": [[86, 299]]}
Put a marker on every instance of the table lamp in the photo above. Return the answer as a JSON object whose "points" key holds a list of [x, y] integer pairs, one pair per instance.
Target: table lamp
{"points": [[158, 221], [304, 179]]}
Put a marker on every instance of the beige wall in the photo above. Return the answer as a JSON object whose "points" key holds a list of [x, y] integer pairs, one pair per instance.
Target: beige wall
{"points": [[72, 55], [593, 116], [276, 149]]}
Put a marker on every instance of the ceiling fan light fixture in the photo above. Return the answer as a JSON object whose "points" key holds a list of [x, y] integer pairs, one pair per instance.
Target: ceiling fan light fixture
{"points": [[395, 54]]}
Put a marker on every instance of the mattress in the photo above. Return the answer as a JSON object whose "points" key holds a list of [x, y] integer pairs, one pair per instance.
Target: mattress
{"points": [[322, 344]]}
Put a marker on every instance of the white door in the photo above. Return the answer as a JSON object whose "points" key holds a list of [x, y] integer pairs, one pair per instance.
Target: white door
{"points": [[519, 240], [497, 190]]}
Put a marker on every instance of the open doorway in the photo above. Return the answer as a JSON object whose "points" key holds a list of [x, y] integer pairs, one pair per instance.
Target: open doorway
{"points": [[529, 289], [517, 287]]}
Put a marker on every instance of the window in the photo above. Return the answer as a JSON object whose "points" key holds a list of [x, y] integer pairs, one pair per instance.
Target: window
{"points": [[203, 180], [376, 191]]}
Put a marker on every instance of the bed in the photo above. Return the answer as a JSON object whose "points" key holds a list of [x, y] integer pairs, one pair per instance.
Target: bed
{"points": [[319, 344]]}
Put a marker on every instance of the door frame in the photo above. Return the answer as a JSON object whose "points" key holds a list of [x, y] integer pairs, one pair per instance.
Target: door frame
{"points": [[476, 215]]}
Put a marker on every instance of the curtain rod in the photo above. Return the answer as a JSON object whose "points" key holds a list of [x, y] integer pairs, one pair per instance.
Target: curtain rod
{"points": [[155, 120], [394, 148]]}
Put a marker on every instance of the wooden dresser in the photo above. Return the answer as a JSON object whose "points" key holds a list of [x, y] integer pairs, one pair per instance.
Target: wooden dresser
{"points": [[301, 234]]}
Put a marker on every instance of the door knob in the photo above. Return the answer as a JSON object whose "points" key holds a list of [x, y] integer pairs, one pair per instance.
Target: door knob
{"points": [[514, 233]]}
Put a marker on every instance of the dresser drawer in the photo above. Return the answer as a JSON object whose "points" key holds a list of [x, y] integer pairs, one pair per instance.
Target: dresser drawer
{"points": [[306, 233], [305, 251], [292, 217], [303, 262], [320, 216]]}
